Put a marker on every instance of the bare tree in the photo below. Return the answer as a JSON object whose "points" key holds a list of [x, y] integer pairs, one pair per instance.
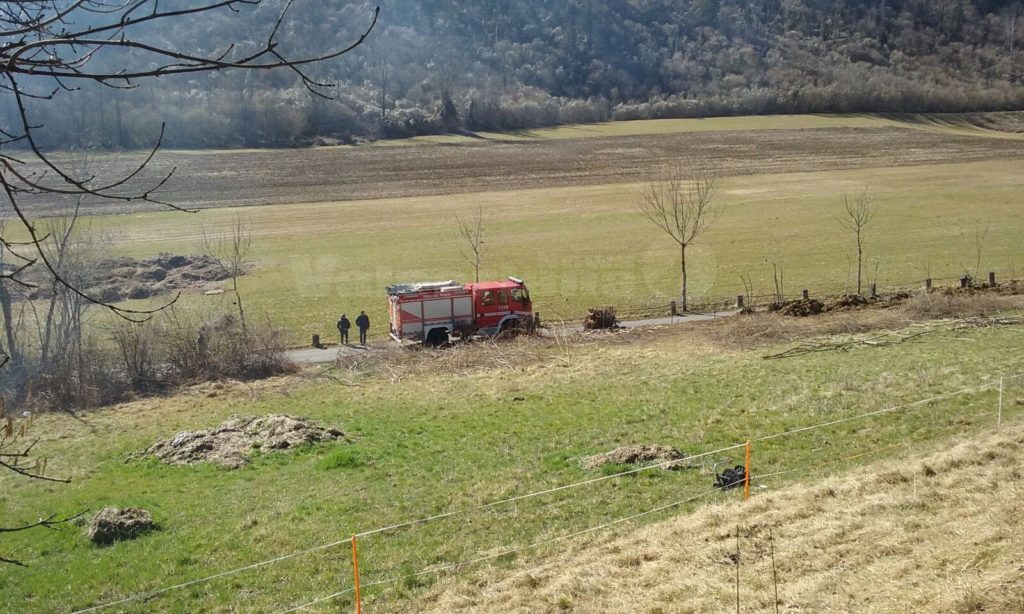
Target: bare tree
{"points": [[980, 235], [50, 48], [472, 234], [1011, 17], [381, 63], [683, 207], [230, 252], [857, 214]]}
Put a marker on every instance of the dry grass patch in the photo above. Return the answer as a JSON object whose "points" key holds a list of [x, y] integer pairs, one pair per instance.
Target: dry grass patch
{"points": [[923, 305], [935, 534]]}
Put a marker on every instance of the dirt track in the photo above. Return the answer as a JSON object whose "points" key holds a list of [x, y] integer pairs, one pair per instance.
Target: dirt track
{"points": [[227, 178]]}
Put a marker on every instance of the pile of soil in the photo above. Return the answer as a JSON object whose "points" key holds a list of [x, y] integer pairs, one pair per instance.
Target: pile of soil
{"points": [[799, 308], [1012, 287], [113, 524], [848, 301], [635, 455], [235, 440], [896, 298], [117, 279], [600, 318], [805, 307]]}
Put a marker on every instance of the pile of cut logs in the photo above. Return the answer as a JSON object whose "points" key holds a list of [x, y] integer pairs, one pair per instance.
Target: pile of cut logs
{"points": [[600, 318]]}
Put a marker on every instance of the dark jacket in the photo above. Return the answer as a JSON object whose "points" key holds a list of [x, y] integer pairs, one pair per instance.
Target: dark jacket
{"points": [[363, 322], [344, 324]]}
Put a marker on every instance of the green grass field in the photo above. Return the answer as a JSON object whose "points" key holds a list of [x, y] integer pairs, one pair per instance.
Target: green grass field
{"points": [[587, 246], [433, 441]]}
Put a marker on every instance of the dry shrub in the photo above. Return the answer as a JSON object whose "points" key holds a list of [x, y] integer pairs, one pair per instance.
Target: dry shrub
{"points": [[934, 305], [81, 377], [752, 330], [221, 348], [149, 357], [136, 343]]}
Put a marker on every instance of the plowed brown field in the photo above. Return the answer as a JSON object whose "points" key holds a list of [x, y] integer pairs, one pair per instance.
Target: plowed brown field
{"points": [[260, 177]]}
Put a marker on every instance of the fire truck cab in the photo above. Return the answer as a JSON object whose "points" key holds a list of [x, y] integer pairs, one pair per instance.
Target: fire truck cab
{"points": [[433, 312]]}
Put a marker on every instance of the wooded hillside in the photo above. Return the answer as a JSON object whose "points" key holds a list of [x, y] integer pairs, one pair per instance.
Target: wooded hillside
{"points": [[435, 66]]}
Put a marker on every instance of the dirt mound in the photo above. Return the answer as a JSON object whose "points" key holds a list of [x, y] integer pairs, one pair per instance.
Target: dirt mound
{"points": [[113, 524], [117, 279], [848, 301], [1012, 288], [231, 443], [635, 455], [799, 308]]}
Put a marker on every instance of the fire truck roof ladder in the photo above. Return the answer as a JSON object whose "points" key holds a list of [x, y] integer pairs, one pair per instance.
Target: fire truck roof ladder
{"points": [[423, 287]]}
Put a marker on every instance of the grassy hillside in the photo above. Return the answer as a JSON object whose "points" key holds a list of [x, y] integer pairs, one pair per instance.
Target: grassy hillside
{"points": [[935, 530], [436, 432]]}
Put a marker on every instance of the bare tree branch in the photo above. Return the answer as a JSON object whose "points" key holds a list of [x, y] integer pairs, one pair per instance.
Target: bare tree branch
{"points": [[472, 234], [857, 214], [45, 52], [683, 207], [231, 252], [39, 39]]}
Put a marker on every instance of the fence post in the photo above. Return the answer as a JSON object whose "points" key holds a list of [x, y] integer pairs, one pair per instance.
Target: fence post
{"points": [[739, 302], [928, 285], [964, 281], [672, 308], [746, 474], [316, 341], [992, 278], [807, 294], [874, 290], [355, 573], [536, 320], [999, 421]]}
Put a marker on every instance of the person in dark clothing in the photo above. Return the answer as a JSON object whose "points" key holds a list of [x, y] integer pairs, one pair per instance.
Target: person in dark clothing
{"points": [[343, 326], [363, 322]]}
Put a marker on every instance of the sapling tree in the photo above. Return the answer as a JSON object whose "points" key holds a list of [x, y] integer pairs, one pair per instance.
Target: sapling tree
{"points": [[683, 207]]}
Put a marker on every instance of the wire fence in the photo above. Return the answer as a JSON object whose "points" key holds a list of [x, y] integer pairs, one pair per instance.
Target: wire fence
{"points": [[757, 477]]}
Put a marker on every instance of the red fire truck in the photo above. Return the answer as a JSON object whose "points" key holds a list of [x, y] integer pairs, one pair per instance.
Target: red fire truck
{"points": [[433, 312]]}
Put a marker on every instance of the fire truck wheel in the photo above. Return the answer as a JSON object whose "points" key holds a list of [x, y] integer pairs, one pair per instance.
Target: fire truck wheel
{"points": [[437, 338], [510, 328]]}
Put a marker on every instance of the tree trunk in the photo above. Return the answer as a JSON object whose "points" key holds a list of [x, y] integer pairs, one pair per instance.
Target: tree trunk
{"points": [[683, 266], [238, 300], [860, 257], [13, 351], [44, 349]]}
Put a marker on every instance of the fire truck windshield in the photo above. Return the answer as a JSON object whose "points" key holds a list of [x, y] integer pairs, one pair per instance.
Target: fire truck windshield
{"points": [[520, 295]]}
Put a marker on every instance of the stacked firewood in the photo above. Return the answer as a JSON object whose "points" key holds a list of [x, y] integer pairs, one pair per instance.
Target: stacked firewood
{"points": [[599, 318]]}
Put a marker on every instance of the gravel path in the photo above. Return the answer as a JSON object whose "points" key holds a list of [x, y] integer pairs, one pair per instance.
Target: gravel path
{"points": [[314, 356]]}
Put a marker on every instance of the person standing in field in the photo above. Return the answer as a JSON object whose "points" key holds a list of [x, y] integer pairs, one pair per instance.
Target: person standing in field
{"points": [[363, 322], [343, 326]]}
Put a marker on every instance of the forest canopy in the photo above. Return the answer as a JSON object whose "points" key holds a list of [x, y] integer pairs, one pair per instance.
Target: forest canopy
{"points": [[434, 66]]}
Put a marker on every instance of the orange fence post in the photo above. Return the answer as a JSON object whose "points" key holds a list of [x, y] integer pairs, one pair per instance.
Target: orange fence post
{"points": [[355, 571], [746, 475]]}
